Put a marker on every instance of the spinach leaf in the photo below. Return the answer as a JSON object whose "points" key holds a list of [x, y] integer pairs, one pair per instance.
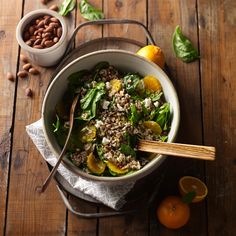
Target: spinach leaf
{"points": [[155, 96], [134, 115], [163, 117], [131, 81], [77, 77], [127, 150], [57, 124], [130, 139], [89, 102], [100, 151], [66, 7], [183, 47], [89, 12]]}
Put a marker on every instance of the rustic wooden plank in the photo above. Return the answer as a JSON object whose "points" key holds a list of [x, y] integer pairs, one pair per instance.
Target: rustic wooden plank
{"points": [[30, 213], [130, 224], [80, 226], [133, 9], [8, 52], [217, 33], [162, 20]]}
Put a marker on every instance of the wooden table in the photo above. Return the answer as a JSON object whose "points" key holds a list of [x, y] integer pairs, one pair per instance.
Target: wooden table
{"points": [[206, 90]]}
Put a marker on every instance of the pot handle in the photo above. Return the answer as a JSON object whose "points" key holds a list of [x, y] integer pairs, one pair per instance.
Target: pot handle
{"points": [[108, 22]]}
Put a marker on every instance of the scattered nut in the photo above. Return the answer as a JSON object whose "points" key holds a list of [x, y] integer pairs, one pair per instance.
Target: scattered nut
{"points": [[23, 58], [26, 66], [10, 76], [22, 74], [33, 71], [54, 8], [44, 2], [28, 92]]}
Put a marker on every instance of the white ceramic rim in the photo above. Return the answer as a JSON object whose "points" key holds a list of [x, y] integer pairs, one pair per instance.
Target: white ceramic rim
{"points": [[33, 15], [148, 168]]}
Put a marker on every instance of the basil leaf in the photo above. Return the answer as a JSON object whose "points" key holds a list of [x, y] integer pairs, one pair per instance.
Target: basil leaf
{"points": [[183, 47], [66, 7], [127, 150], [89, 12]]}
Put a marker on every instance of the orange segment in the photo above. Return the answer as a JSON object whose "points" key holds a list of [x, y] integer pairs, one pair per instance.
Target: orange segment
{"points": [[153, 126], [95, 165], [115, 85], [153, 53], [116, 169], [189, 184], [152, 84]]}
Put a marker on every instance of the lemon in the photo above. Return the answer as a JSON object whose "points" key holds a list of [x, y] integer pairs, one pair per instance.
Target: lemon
{"points": [[153, 53]]}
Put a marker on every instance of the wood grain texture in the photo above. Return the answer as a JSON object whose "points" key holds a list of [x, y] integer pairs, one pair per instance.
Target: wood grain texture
{"points": [[163, 18], [217, 30], [125, 9], [178, 149], [8, 61], [28, 211]]}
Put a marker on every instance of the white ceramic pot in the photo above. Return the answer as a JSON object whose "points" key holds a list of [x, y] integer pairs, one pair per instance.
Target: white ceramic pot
{"points": [[125, 61], [47, 56]]}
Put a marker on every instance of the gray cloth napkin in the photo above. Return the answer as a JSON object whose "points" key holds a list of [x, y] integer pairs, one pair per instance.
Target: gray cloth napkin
{"points": [[111, 196]]}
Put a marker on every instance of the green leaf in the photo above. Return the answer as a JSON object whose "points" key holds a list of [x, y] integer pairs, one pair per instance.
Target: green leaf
{"points": [[89, 101], [155, 96], [57, 124], [127, 150], [89, 12], [66, 7], [76, 78], [131, 81], [183, 47], [188, 198], [163, 116], [134, 115]]}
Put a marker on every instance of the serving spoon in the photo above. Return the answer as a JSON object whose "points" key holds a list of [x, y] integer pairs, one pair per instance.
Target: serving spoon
{"points": [[52, 173], [178, 149]]}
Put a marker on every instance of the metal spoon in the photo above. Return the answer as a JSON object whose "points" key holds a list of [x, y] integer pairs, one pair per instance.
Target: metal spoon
{"points": [[52, 173]]}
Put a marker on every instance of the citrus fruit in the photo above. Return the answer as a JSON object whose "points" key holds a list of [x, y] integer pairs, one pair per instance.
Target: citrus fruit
{"points": [[88, 134], [153, 126], [173, 213], [152, 84], [115, 85], [192, 184], [152, 53], [95, 165], [115, 169]]}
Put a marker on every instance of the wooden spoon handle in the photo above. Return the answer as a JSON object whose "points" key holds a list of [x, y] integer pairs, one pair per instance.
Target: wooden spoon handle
{"points": [[177, 149]]}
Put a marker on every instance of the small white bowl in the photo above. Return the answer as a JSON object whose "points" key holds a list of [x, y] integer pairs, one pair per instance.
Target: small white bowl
{"points": [[125, 61], [47, 56]]}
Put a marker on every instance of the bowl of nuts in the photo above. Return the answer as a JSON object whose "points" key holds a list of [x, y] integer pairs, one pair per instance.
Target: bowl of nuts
{"points": [[42, 34]]}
